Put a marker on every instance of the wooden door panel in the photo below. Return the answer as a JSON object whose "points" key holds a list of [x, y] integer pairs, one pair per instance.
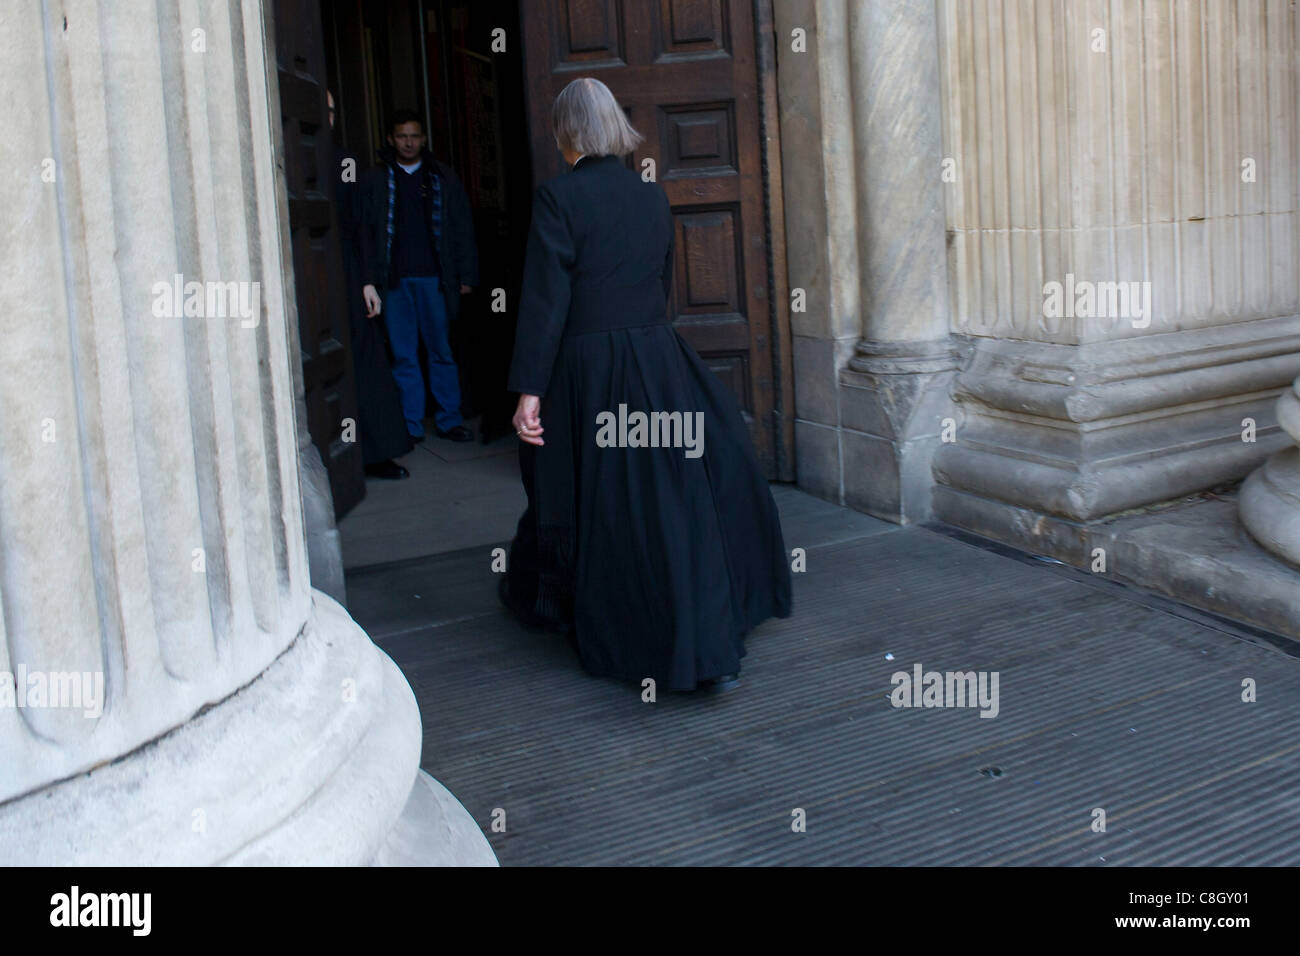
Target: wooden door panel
{"points": [[688, 28], [733, 369], [698, 140], [319, 291], [685, 72], [707, 263], [588, 33]]}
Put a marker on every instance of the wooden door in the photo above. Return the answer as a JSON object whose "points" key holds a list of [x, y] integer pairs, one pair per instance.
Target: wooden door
{"points": [[686, 73], [317, 260]]}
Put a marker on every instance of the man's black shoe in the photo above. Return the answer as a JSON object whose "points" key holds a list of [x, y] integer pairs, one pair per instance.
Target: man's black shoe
{"points": [[458, 433], [387, 469], [417, 438]]}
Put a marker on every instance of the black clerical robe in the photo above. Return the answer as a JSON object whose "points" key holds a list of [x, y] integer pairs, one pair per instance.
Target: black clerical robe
{"points": [[650, 536]]}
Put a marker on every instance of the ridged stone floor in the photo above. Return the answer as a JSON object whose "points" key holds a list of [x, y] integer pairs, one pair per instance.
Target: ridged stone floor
{"points": [[1108, 700]]}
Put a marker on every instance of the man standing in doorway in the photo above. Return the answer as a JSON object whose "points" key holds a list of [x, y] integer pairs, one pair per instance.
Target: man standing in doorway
{"points": [[420, 250], [380, 421]]}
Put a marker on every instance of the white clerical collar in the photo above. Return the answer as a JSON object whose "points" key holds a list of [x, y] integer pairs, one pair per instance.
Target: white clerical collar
{"points": [[411, 169]]}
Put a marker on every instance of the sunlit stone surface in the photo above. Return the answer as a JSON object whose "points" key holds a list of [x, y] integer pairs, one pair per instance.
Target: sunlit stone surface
{"points": [[151, 520]]}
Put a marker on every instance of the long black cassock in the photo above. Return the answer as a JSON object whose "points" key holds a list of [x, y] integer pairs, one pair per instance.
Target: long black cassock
{"points": [[656, 561], [382, 425]]}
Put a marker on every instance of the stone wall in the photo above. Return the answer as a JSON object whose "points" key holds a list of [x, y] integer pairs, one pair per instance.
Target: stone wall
{"points": [[1138, 141], [1142, 147], [946, 162]]}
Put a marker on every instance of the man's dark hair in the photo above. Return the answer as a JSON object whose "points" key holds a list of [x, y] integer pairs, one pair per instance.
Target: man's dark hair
{"points": [[402, 117]]}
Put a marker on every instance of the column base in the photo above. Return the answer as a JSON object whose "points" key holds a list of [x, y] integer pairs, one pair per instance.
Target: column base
{"points": [[1270, 505], [314, 762], [1083, 432], [434, 830], [894, 398], [1270, 499]]}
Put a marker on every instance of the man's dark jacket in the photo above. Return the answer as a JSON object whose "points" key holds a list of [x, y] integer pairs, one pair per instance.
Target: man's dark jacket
{"points": [[456, 249]]}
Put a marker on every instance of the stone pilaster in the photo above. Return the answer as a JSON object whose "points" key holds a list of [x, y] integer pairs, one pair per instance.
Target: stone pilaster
{"points": [[894, 393], [862, 151], [151, 526]]}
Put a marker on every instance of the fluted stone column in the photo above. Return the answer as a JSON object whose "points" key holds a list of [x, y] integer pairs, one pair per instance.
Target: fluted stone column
{"points": [[862, 161], [895, 390], [1270, 498], [151, 524]]}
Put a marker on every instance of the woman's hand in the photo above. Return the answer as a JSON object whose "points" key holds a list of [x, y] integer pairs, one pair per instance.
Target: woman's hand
{"points": [[527, 420]]}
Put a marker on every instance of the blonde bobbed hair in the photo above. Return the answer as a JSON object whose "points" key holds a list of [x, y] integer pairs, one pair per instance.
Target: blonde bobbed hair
{"points": [[588, 120]]}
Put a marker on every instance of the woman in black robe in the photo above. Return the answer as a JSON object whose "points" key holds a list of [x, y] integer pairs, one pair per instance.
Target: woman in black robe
{"points": [[651, 538]]}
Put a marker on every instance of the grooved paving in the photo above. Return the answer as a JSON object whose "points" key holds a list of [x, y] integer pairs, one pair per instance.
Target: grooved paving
{"points": [[1105, 701]]}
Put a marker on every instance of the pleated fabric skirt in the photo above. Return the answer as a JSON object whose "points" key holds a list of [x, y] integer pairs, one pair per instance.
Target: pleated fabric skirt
{"points": [[655, 561]]}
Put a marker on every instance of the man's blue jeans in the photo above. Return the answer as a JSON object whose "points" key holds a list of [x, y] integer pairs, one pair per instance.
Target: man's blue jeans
{"points": [[416, 310]]}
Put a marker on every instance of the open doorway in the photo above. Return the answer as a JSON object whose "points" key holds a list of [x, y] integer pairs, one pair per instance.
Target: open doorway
{"points": [[435, 57], [697, 79]]}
